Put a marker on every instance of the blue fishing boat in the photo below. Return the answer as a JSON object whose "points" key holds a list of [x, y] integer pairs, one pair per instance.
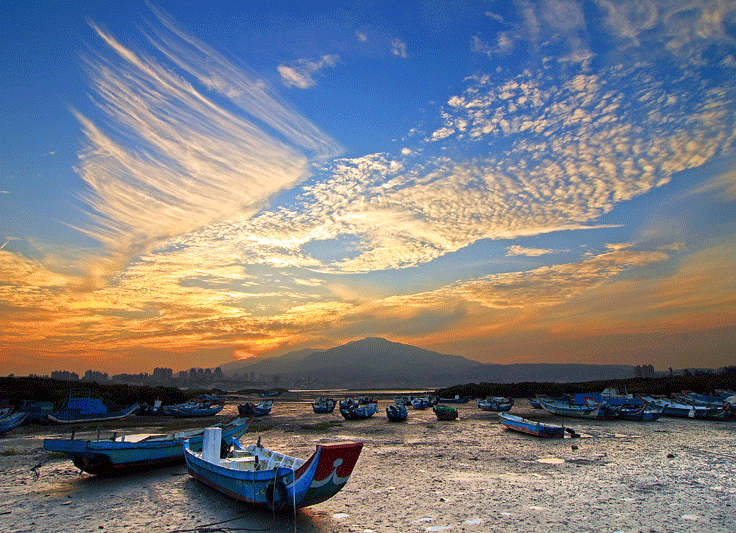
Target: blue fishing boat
{"points": [[534, 403], [419, 403], [260, 409], [565, 409], [397, 413], [128, 453], [12, 421], [196, 409], [350, 409], [683, 410], [85, 410], [323, 405], [255, 474], [645, 413], [530, 427], [496, 403]]}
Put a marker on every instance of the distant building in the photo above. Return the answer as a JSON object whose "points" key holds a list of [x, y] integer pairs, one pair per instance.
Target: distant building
{"points": [[92, 375], [644, 371], [63, 375], [163, 375]]}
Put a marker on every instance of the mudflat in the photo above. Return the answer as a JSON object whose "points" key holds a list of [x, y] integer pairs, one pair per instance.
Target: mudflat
{"points": [[467, 475]]}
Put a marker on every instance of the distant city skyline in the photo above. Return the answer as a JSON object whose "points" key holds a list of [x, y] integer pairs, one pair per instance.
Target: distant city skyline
{"points": [[186, 184]]}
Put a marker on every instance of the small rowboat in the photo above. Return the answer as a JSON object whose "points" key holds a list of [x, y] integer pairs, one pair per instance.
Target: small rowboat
{"points": [[538, 429], [350, 409], [260, 409], [323, 405], [564, 409], [397, 413], [12, 421], [496, 403], [258, 475]]}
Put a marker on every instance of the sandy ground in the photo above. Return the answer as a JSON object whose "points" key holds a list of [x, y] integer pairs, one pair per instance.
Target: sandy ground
{"points": [[469, 475]]}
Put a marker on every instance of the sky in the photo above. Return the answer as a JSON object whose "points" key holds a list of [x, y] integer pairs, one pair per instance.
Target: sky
{"points": [[184, 184]]}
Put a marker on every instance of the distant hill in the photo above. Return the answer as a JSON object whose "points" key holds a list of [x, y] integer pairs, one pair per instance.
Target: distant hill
{"points": [[378, 363]]}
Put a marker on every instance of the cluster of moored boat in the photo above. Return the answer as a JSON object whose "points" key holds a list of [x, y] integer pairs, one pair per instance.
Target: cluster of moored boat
{"points": [[611, 405]]}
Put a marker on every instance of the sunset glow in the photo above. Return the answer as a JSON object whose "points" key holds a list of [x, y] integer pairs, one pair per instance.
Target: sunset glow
{"points": [[510, 182]]}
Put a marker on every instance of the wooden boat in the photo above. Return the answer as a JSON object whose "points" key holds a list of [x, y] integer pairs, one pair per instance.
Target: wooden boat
{"points": [[419, 403], [257, 475], [645, 413], [565, 409], [683, 410], [534, 403], [12, 421], [323, 405], [260, 409], [538, 429], [133, 452], [75, 416], [196, 409], [351, 409], [496, 403], [397, 413], [444, 412]]}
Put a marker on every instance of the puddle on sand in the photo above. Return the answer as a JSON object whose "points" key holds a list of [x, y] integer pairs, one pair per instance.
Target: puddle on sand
{"points": [[550, 460]]}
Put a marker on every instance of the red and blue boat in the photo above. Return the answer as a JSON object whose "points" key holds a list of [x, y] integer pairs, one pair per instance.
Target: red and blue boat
{"points": [[257, 475]]}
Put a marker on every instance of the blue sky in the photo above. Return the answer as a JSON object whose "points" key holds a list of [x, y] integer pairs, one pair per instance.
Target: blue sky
{"points": [[183, 184]]}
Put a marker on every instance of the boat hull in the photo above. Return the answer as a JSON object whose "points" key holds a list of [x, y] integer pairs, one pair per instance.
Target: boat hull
{"points": [[12, 421], [575, 411], [522, 425], [322, 476], [107, 457], [72, 416]]}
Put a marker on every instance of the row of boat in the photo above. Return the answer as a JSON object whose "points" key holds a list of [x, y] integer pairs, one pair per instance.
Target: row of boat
{"points": [[215, 457], [610, 405]]}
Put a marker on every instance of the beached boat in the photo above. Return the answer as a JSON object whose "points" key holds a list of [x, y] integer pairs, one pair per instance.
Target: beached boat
{"points": [[397, 413], [12, 421], [531, 427], [444, 412], [684, 410], [260, 409], [534, 403], [645, 413], [565, 409], [496, 403], [76, 416], [351, 409], [456, 399], [255, 474], [323, 405], [419, 403], [127, 453], [88, 409], [196, 409]]}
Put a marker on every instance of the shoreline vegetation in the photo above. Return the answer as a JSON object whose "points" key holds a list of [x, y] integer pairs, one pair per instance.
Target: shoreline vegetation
{"points": [[15, 389]]}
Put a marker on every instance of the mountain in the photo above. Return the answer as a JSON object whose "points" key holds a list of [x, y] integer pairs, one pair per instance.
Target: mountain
{"points": [[378, 363]]}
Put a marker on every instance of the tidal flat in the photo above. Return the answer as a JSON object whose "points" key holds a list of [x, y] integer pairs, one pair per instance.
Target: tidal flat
{"points": [[467, 475]]}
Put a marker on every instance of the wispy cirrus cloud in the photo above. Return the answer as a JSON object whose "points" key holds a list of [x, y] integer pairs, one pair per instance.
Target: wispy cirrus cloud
{"points": [[301, 73], [399, 48], [195, 160], [528, 252]]}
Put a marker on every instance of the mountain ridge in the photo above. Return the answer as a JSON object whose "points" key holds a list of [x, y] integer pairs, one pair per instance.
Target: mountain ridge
{"points": [[375, 362]]}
